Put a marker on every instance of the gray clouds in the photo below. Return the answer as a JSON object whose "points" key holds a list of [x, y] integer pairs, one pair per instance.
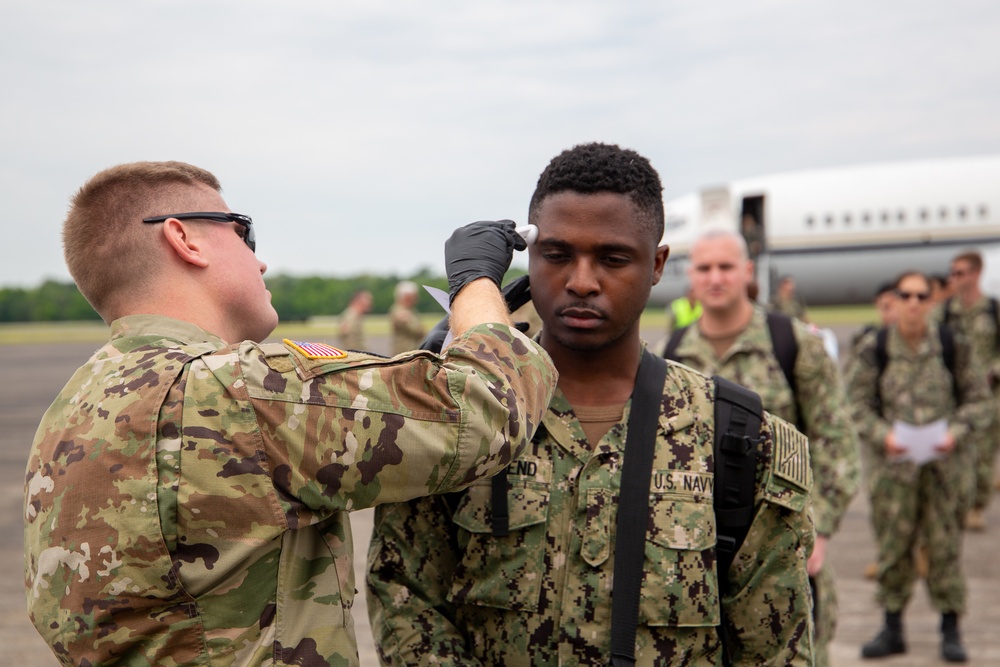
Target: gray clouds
{"points": [[358, 134]]}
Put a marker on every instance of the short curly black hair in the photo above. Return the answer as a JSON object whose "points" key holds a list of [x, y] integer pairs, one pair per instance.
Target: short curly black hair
{"points": [[597, 167]]}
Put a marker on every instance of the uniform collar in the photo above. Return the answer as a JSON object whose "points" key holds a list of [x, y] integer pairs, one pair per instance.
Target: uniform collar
{"points": [[136, 330]]}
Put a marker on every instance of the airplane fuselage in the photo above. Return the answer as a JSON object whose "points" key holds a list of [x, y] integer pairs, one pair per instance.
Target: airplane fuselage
{"points": [[842, 232]]}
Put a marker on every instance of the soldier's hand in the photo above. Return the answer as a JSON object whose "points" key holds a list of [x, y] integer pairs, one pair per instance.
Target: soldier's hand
{"points": [[892, 446], [948, 444], [480, 250]]}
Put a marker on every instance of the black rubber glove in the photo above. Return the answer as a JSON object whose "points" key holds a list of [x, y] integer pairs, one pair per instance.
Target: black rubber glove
{"points": [[480, 250]]}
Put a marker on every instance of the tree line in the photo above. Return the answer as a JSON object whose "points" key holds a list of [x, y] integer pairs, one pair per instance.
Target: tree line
{"points": [[295, 298]]}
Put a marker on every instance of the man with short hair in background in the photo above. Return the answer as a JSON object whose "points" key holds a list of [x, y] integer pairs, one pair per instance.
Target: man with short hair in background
{"points": [[734, 338], [974, 315]]}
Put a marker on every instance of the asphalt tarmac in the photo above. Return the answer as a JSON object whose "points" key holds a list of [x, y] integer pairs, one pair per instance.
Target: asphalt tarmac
{"points": [[33, 374]]}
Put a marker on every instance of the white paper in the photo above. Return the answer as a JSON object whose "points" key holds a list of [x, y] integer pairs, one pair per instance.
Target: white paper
{"points": [[444, 301], [920, 441]]}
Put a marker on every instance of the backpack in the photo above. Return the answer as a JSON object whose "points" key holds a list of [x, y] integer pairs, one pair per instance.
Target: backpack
{"points": [[786, 351], [994, 309], [882, 360]]}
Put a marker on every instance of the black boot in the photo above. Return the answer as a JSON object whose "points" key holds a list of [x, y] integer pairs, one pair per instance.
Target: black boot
{"points": [[951, 641], [889, 640]]}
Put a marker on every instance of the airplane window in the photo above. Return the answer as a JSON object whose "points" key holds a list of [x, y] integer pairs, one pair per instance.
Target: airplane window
{"points": [[984, 211], [847, 218], [829, 219], [810, 221], [943, 213], [866, 218], [885, 217], [923, 215], [901, 216], [961, 213]]}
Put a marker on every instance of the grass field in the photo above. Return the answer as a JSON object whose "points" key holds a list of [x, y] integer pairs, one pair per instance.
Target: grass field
{"points": [[326, 328]]}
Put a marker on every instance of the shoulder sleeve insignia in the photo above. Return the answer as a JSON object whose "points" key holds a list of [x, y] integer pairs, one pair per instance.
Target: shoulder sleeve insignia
{"points": [[315, 350], [791, 454]]}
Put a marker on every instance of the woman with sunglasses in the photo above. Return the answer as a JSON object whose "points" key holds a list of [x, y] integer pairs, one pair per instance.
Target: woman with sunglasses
{"points": [[908, 382]]}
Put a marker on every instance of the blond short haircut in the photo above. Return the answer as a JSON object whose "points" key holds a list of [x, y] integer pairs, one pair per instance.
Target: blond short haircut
{"points": [[109, 251]]}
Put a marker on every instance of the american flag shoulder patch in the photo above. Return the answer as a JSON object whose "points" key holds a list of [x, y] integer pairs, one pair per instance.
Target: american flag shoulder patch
{"points": [[315, 350], [791, 454]]}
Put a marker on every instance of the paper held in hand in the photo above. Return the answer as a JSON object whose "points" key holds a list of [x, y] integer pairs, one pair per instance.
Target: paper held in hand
{"points": [[920, 441]]}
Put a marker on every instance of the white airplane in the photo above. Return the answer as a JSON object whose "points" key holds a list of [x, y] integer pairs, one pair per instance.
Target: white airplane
{"points": [[842, 232]]}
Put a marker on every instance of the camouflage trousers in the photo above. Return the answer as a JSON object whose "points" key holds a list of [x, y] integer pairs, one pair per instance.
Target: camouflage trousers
{"points": [[910, 504], [825, 610], [986, 444]]}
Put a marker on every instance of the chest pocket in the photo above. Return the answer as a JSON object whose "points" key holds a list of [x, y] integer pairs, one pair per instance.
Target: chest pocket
{"points": [[504, 572], [679, 586]]}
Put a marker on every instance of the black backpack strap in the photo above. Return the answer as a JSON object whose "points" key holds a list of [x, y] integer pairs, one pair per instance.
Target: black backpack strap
{"points": [[499, 508], [676, 336], [947, 310], [995, 311], [738, 417], [948, 354], [881, 361], [633, 506], [786, 350]]}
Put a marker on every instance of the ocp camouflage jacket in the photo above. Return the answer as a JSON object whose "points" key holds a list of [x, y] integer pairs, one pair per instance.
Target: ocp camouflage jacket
{"points": [[186, 501]]}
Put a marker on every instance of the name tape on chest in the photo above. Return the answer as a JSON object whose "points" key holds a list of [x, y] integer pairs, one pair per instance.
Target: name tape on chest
{"points": [[682, 482]]}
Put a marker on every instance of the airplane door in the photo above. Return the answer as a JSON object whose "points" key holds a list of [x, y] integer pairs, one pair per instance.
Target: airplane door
{"points": [[754, 230]]}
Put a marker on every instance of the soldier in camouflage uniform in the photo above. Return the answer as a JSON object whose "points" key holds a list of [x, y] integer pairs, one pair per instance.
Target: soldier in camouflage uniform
{"points": [[974, 315], [443, 590], [784, 300], [911, 501], [352, 321], [732, 339], [407, 330], [186, 495]]}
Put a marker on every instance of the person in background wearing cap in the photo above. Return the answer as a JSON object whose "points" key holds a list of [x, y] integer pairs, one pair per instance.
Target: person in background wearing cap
{"points": [[407, 330]]}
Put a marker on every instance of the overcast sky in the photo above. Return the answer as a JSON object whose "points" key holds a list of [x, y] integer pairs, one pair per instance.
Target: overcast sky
{"points": [[358, 134]]}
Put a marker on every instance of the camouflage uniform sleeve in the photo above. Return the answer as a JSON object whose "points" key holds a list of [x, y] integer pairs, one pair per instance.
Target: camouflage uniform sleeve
{"points": [[975, 410], [411, 560], [833, 442], [861, 379], [768, 609], [353, 432]]}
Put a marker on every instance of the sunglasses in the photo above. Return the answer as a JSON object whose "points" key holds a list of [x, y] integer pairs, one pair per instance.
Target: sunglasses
{"points": [[906, 296], [243, 220]]}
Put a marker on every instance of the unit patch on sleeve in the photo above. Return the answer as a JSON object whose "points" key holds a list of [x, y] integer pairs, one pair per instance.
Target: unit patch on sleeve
{"points": [[315, 350], [791, 454]]}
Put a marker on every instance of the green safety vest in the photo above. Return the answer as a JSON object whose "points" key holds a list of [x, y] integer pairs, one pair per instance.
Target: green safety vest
{"points": [[684, 312]]}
